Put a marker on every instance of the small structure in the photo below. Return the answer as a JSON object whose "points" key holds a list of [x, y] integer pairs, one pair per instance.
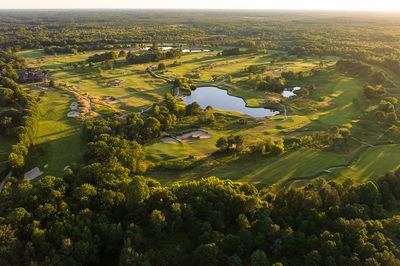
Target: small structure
{"points": [[32, 75], [116, 82]]}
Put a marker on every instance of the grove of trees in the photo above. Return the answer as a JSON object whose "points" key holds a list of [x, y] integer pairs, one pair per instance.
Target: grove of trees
{"points": [[102, 213], [19, 119]]}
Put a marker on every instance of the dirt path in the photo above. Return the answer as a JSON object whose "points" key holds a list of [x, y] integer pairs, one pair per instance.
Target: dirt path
{"points": [[363, 142], [150, 71]]}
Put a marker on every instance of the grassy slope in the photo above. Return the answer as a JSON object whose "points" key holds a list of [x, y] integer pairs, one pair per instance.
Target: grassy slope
{"points": [[258, 169], [58, 141], [373, 163]]}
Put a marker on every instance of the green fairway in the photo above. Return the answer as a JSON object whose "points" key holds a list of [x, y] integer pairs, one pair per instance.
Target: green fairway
{"points": [[58, 142], [31, 54], [373, 163], [276, 170], [257, 169], [340, 92]]}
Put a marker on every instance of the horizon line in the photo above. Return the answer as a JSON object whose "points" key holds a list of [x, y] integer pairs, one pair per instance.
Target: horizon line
{"points": [[200, 9]]}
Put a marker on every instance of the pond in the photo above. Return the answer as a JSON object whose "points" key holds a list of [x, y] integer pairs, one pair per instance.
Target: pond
{"points": [[220, 99], [287, 93]]}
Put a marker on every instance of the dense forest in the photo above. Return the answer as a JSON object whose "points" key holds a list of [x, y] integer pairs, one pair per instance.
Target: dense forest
{"points": [[101, 214], [19, 119], [64, 31]]}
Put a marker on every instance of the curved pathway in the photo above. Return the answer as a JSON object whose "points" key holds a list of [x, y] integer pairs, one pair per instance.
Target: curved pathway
{"points": [[4, 180], [155, 75]]}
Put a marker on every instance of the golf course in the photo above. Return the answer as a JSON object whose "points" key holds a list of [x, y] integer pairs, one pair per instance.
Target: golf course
{"points": [[60, 142]]}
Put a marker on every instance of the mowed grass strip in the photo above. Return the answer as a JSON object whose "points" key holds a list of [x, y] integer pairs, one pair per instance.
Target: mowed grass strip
{"points": [[59, 140], [275, 170], [373, 163], [257, 169]]}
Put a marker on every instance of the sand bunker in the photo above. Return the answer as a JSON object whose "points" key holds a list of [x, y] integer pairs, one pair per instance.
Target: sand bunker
{"points": [[110, 100], [115, 83], [73, 114], [324, 104], [197, 134], [169, 140], [74, 106], [32, 174], [187, 137]]}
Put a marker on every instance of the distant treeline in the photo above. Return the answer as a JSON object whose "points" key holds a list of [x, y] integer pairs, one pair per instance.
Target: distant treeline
{"points": [[73, 49], [102, 57], [152, 56], [368, 39], [230, 52], [69, 49]]}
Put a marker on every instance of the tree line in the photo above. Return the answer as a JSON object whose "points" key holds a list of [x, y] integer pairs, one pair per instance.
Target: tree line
{"points": [[19, 120], [102, 213], [152, 56]]}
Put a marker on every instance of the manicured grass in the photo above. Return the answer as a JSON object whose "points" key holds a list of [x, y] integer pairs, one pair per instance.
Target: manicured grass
{"points": [[58, 142], [31, 54], [373, 163], [139, 90], [157, 150], [341, 94], [258, 169]]}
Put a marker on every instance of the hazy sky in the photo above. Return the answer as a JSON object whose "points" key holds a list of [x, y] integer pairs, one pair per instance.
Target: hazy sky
{"points": [[370, 5]]}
